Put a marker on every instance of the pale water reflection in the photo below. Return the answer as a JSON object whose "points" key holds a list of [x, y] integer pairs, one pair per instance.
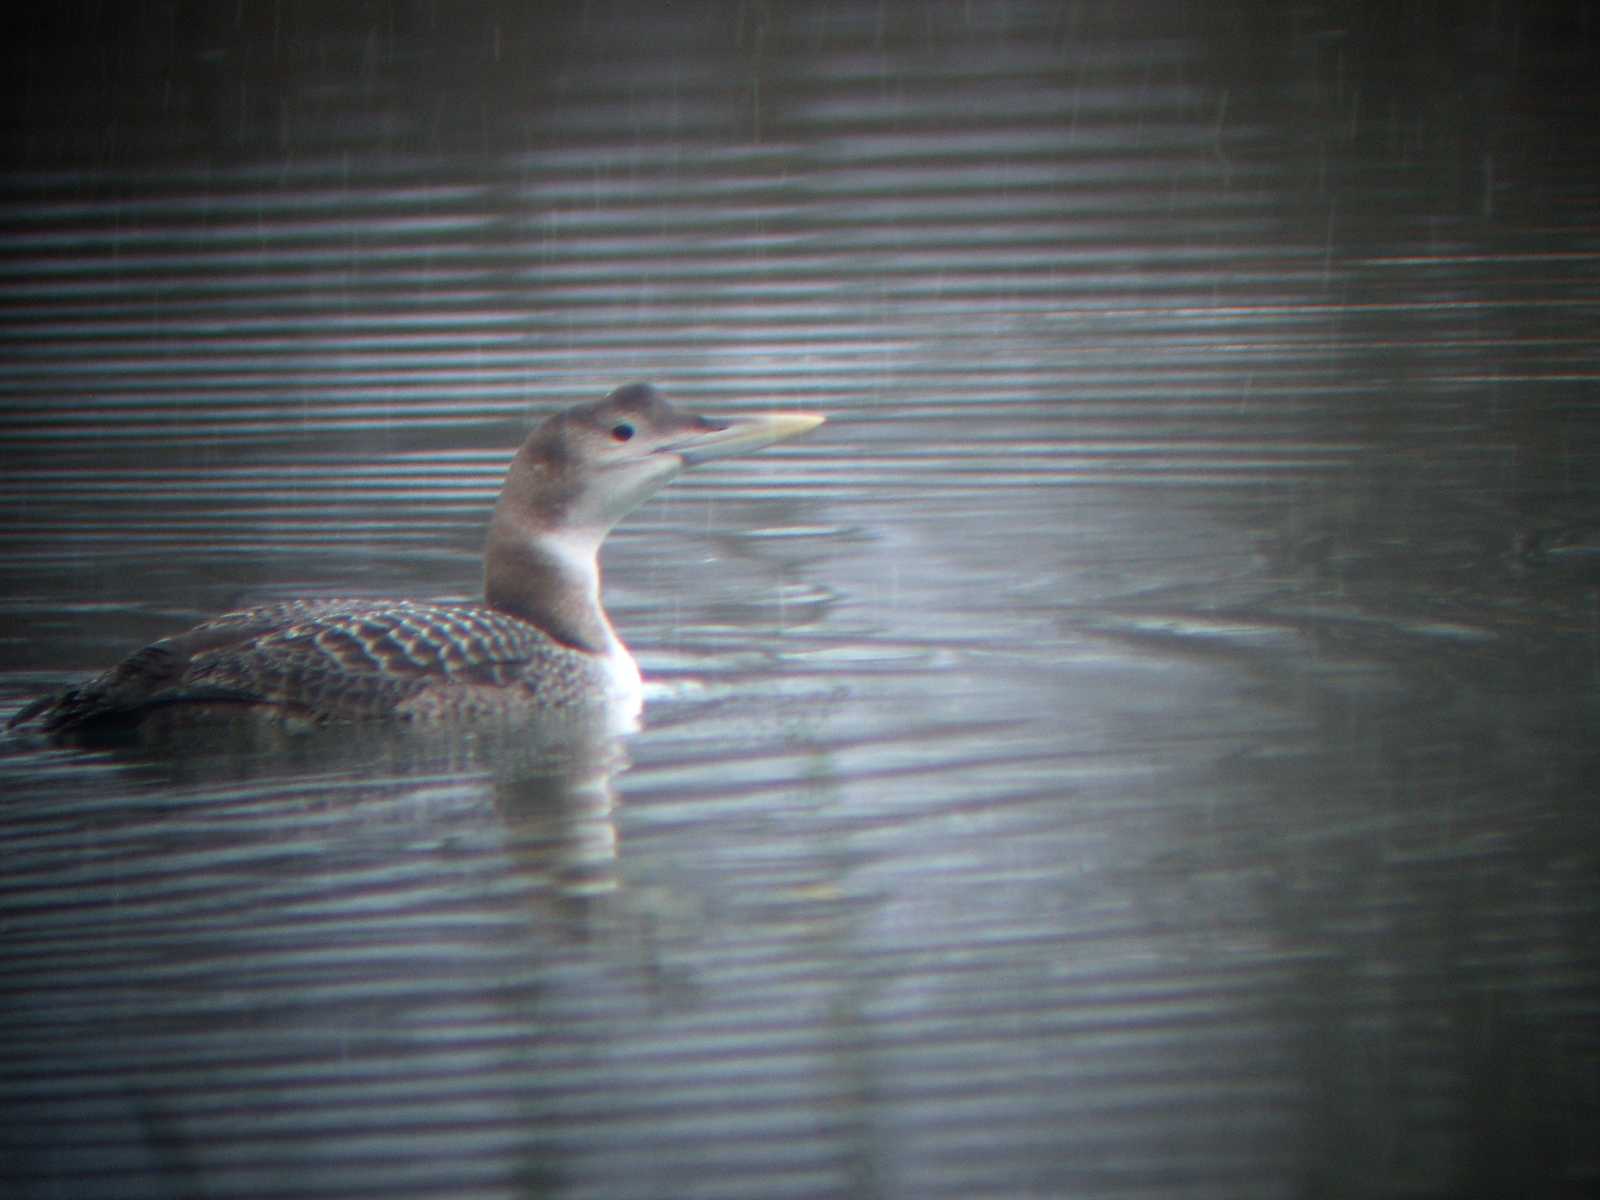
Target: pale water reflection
{"points": [[1142, 745]]}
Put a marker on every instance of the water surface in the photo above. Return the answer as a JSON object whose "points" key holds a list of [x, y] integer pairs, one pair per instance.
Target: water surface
{"points": [[1142, 745]]}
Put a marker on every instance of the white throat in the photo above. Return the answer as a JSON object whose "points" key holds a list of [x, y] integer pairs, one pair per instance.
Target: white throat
{"points": [[577, 560]]}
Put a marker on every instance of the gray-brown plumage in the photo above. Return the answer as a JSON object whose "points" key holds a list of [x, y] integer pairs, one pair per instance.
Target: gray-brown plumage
{"points": [[541, 640]]}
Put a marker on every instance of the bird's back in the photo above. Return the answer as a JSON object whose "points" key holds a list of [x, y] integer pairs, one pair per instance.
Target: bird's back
{"points": [[338, 659]]}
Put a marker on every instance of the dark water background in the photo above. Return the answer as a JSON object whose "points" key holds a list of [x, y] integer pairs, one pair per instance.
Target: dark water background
{"points": [[1144, 745]]}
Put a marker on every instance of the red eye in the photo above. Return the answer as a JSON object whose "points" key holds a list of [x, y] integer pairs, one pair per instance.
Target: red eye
{"points": [[622, 432]]}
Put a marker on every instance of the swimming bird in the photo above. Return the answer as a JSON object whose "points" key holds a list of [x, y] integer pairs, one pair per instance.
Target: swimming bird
{"points": [[540, 640]]}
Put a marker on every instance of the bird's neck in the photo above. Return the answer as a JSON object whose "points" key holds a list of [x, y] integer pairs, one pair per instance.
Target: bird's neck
{"points": [[549, 580]]}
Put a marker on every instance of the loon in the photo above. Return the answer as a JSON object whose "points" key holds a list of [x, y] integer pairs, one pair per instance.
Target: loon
{"points": [[540, 640]]}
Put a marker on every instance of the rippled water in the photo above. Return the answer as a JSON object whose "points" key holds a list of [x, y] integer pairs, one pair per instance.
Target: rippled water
{"points": [[1142, 745]]}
